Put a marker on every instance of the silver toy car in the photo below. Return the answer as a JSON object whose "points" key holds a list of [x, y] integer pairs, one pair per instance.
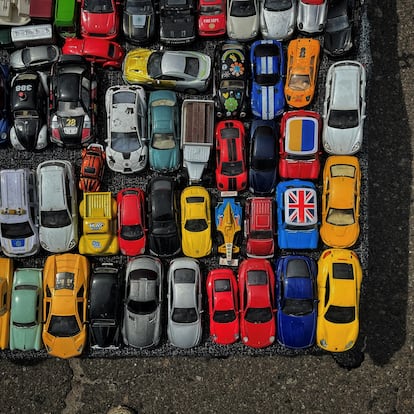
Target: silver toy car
{"points": [[278, 18], [312, 15]]}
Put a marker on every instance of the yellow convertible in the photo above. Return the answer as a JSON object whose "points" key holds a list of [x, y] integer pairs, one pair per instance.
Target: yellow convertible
{"points": [[339, 283], [184, 71]]}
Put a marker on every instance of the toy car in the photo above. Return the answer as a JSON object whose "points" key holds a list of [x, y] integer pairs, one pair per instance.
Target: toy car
{"points": [[211, 18], [242, 19], [268, 71], [344, 108], [303, 56], [339, 284], [228, 219], [195, 222], [138, 21], [231, 170], [34, 57], [297, 215], [341, 201], [131, 221], [257, 303], [104, 307], [223, 306], [312, 16], [65, 289], [340, 27], [28, 111], [72, 101], [299, 145], [143, 301], [92, 167], [177, 21], [278, 18], [263, 157], [58, 206], [184, 327], [296, 301], [231, 74], [19, 207], [26, 310], [99, 18], [163, 225], [104, 52], [126, 142], [6, 281], [185, 71], [164, 131], [4, 103], [259, 227]]}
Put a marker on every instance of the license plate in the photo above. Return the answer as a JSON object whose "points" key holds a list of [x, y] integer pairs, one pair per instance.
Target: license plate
{"points": [[70, 130]]}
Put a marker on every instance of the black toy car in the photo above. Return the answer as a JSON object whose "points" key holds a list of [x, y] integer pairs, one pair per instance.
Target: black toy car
{"points": [[104, 307], [163, 226], [231, 80], [28, 105], [4, 102], [72, 99], [138, 21], [177, 21]]}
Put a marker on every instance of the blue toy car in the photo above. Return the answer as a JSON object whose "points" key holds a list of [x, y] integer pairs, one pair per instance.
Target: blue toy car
{"points": [[263, 157], [4, 103], [268, 71], [296, 301], [297, 216], [164, 131]]}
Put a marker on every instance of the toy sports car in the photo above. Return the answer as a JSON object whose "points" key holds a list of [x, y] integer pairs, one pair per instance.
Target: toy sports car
{"points": [[99, 18], [212, 18], [92, 167]]}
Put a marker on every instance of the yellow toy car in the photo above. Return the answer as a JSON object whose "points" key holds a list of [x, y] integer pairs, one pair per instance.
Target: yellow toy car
{"points": [[340, 201], [6, 279], [65, 287], [303, 56], [196, 222], [339, 283]]}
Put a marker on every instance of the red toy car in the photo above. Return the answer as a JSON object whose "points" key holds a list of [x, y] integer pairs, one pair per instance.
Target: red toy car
{"points": [[92, 167], [105, 52], [300, 133], [257, 303], [259, 227], [231, 171], [131, 221], [212, 18], [222, 293], [99, 18]]}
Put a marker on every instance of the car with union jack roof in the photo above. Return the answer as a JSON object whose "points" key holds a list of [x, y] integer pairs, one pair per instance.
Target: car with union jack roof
{"points": [[297, 216]]}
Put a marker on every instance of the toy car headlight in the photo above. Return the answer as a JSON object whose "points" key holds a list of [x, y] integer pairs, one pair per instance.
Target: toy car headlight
{"points": [[288, 97], [308, 98], [44, 245], [349, 345], [72, 244], [355, 147], [323, 343], [254, 33], [245, 339], [272, 339]]}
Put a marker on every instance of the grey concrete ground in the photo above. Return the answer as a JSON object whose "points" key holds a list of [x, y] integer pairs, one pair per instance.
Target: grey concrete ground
{"points": [[384, 381]]}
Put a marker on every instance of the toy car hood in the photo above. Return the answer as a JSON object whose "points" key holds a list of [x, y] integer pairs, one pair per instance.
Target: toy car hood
{"points": [[185, 335], [279, 25], [165, 160], [342, 141], [26, 338], [142, 330], [127, 162], [338, 42], [59, 239], [296, 331], [98, 23], [20, 246]]}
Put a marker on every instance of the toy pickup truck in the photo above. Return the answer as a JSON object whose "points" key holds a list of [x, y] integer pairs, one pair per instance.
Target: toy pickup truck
{"points": [[99, 211], [197, 135]]}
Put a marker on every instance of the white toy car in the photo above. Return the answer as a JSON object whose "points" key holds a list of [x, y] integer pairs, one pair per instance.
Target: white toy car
{"points": [[58, 206], [18, 213], [312, 16], [127, 148], [278, 18], [243, 19], [344, 108]]}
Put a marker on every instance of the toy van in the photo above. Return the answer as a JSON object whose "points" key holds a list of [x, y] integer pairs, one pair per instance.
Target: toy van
{"points": [[18, 213], [66, 18]]}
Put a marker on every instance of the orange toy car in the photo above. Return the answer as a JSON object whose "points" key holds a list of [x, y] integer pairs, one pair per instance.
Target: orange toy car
{"points": [[302, 71], [92, 168]]}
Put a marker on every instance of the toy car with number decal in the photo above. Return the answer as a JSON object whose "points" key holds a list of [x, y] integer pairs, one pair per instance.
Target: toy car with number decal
{"points": [[211, 18], [28, 104], [92, 167], [72, 101], [231, 74]]}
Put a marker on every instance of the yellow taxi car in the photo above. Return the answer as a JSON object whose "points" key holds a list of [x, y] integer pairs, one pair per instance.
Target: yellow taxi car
{"points": [[339, 283], [340, 201], [6, 279], [303, 57], [65, 287], [196, 222]]}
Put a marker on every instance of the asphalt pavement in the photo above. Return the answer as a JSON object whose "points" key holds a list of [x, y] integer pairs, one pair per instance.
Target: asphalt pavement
{"points": [[377, 378]]}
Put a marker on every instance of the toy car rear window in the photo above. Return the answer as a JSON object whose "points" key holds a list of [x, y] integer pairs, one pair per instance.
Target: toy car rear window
{"points": [[343, 271], [297, 268], [222, 285], [256, 278], [229, 133], [143, 274], [184, 276]]}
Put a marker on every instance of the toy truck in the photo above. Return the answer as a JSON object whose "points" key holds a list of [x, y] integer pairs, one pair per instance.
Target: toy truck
{"points": [[197, 135], [99, 211]]}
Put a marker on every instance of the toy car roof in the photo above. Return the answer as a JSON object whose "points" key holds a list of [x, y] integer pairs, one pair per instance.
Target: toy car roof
{"points": [[302, 135], [300, 206], [233, 64]]}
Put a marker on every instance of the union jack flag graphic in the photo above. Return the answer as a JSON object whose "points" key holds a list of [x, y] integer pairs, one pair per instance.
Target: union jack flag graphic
{"points": [[300, 206]]}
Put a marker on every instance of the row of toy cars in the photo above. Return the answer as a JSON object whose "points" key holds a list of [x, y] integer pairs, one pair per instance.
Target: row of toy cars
{"points": [[65, 306]]}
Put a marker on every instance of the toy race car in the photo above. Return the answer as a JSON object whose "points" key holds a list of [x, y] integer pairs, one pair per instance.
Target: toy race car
{"points": [[92, 168]]}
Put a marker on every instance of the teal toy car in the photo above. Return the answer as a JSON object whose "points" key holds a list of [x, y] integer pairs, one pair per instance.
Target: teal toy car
{"points": [[26, 310], [164, 131]]}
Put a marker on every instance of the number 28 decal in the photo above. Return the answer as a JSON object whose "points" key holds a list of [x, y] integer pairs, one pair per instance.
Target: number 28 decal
{"points": [[70, 122]]}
